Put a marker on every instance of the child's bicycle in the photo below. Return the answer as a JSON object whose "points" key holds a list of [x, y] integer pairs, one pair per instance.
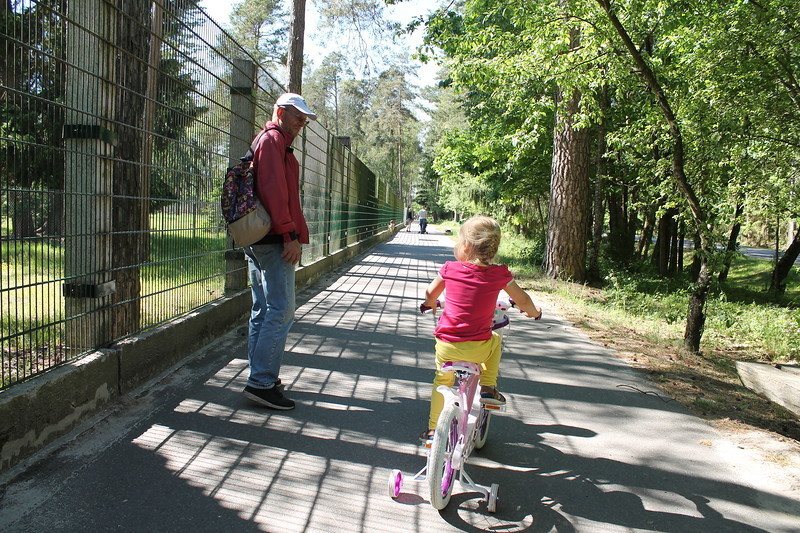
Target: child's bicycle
{"points": [[462, 427]]}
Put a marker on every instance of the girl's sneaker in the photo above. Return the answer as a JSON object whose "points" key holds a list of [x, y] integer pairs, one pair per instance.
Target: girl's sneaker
{"points": [[426, 437], [491, 396]]}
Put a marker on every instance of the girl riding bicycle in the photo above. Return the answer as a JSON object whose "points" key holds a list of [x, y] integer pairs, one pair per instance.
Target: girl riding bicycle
{"points": [[464, 331]]}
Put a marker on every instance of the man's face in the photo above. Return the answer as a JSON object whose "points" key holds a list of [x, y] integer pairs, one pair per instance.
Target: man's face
{"points": [[291, 119]]}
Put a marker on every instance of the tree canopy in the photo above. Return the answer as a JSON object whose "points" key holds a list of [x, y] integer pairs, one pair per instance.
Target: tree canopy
{"points": [[692, 109]]}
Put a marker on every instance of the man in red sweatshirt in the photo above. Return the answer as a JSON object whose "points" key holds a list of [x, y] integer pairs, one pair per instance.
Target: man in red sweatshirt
{"points": [[272, 260]]}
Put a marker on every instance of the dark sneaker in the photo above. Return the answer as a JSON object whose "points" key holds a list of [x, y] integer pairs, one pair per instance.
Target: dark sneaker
{"points": [[491, 396], [426, 437], [272, 397]]}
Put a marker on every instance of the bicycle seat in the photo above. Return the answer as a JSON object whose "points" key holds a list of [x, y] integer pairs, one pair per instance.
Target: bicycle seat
{"points": [[462, 366], [498, 323]]}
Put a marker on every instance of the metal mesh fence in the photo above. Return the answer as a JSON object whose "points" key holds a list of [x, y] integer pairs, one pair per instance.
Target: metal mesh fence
{"points": [[117, 122]]}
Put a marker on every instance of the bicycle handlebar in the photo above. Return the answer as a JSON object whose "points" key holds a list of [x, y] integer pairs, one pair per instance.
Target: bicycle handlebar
{"points": [[501, 305], [424, 308]]}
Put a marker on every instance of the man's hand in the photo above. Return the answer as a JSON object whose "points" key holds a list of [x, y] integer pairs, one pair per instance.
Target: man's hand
{"points": [[291, 252]]}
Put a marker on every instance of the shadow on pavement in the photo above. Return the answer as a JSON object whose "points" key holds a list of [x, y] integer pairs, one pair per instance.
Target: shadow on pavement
{"points": [[587, 445]]}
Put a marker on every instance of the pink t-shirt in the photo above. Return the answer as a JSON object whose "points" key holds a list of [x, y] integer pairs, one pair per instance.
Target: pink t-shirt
{"points": [[470, 298]]}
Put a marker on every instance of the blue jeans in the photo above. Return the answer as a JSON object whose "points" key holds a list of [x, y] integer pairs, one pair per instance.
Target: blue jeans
{"points": [[272, 314]]}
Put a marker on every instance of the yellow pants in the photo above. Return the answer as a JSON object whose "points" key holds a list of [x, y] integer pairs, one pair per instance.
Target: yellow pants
{"points": [[486, 353]]}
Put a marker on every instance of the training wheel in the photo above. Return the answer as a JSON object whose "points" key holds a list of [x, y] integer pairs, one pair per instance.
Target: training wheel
{"points": [[491, 502], [395, 483]]}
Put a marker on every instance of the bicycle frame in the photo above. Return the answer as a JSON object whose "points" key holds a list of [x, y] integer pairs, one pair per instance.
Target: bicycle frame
{"points": [[467, 377], [470, 413]]}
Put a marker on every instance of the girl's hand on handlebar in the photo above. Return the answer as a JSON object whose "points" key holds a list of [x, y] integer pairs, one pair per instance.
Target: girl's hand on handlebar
{"points": [[424, 307], [527, 314], [535, 317]]}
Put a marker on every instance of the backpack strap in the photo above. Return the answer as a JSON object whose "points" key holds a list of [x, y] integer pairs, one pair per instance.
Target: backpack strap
{"points": [[251, 151]]}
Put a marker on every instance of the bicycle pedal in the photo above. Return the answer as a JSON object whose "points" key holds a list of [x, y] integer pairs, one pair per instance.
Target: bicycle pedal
{"points": [[494, 407]]}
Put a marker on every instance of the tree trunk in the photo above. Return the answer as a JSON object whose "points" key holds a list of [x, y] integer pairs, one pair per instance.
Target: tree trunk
{"points": [[784, 265], [148, 141], [53, 225], [294, 62], [675, 248], [662, 253], [598, 214], [697, 262], [128, 213], [647, 236], [565, 254], [733, 238], [20, 204], [620, 226], [696, 318]]}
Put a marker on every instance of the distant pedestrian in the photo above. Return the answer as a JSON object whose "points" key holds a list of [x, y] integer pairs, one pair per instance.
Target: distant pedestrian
{"points": [[423, 220], [272, 260]]}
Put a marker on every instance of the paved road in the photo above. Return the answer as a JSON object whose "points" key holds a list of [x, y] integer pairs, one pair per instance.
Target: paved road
{"points": [[587, 445], [763, 253]]}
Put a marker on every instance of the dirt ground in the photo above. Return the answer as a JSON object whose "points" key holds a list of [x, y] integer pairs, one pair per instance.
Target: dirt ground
{"points": [[753, 428]]}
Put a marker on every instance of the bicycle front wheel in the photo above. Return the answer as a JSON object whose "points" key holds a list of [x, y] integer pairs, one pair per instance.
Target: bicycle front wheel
{"points": [[441, 474]]}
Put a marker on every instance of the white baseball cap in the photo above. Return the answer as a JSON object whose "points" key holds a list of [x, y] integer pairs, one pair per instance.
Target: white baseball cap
{"points": [[297, 102]]}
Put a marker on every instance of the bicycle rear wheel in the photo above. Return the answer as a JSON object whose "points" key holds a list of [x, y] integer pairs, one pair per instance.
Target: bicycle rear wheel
{"points": [[441, 475], [482, 429]]}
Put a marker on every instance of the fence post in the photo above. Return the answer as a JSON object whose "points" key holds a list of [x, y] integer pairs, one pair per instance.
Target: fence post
{"points": [[330, 161], [243, 117], [88, 144]]}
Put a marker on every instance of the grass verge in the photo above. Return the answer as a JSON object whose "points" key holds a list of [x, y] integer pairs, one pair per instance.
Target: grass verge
{"points": [[707, 383]]}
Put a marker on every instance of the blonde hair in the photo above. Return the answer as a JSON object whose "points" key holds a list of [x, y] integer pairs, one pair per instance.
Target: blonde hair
{"points": [[478, 239]]}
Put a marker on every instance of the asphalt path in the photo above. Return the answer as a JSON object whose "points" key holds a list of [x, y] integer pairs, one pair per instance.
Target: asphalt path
{"points": [[587, 443]]}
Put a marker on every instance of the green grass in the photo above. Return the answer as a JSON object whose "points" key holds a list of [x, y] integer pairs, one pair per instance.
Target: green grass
{"points": [[741, 315], [184, 271]]}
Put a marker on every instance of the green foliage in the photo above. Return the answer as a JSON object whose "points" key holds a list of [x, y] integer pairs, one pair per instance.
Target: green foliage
{"points": [[728, 70], [30, 134], [361, 29], [260, 27], [739, 312], [375, 113], [499, 160], [523, 256]]}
